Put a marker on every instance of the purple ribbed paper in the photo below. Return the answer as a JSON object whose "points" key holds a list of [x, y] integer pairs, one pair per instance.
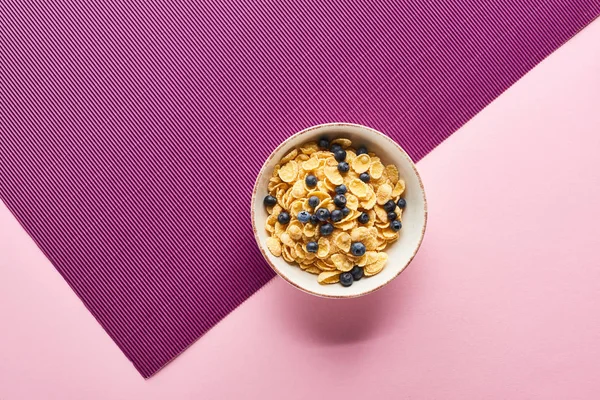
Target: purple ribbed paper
{"points": [[131, 132]]}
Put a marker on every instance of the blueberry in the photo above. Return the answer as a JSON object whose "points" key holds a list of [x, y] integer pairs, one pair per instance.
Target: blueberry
{"points": [[339, 200], [336, 215], [346, 279], [311, 180], [358, 249], [361, 150], [396, 225], [270, 201], [335, 147], [312, 247], [357, 273], [340, 155], [313, 201], [323, 214], [313, 219], [364, 218], [324, 143], [365, 177], [345, 211], [283, 218], [389, 206], [392, 216], [304, 216], [326, 229], [343, 167], [401, 203], [341, 189]]}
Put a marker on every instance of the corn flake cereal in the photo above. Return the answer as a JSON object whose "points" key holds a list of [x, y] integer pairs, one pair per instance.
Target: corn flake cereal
{"points": [[359, 188], [333, 237], [384, 193], [329, 277], [376, 170]]}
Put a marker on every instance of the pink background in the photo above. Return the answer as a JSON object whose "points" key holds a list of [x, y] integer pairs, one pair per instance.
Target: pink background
{"points": [[501, 302]]}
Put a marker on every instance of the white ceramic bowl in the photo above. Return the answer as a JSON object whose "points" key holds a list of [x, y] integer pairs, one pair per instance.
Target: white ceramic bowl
{"points": [[414, 217]]}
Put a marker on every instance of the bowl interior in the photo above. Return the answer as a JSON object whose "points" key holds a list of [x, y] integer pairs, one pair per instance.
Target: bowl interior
{"points": [[414, 217]]}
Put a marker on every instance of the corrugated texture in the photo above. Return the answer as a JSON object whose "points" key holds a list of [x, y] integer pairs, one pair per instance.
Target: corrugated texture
{"points": [[131, 133]]}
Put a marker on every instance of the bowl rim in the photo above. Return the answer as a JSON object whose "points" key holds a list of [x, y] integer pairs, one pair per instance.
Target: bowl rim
{"points": [[254, 199]]}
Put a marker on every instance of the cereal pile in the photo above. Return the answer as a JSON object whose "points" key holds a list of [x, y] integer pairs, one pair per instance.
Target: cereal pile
{"points": [[333, 210]]}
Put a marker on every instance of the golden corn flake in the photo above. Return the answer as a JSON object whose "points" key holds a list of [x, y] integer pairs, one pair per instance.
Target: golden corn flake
{"points": [[359, 234], [376, 170], [358, 188], [313, 270], [361, 163], [309, 148], [320, 174], [342, 262], [345, 226], [285, 200], [384, 193], [285, 253], [333, 237], [392, 173], [343, 242], [280, 187], [273, 184], [310, 230], [345, 143], [296, 207], [286, 239], [377, 266], [289, 157], [310, 164], [289, 171], [372, 217], [352, 216], [331, 162], [279, 229], [381, 213], [332, 173], [370, 200], [323, 266], [294, 231], [321, 195], [272, 220], [351, 201], [292, 251], [298, 190], [299, 250], [371, 243], [362, 261], [274, 246], [382, 225], [329, 186], [329, 277], [332, 254], [324, 247], [370, 257], [398, 188], [350, 156], [389, 234]]}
